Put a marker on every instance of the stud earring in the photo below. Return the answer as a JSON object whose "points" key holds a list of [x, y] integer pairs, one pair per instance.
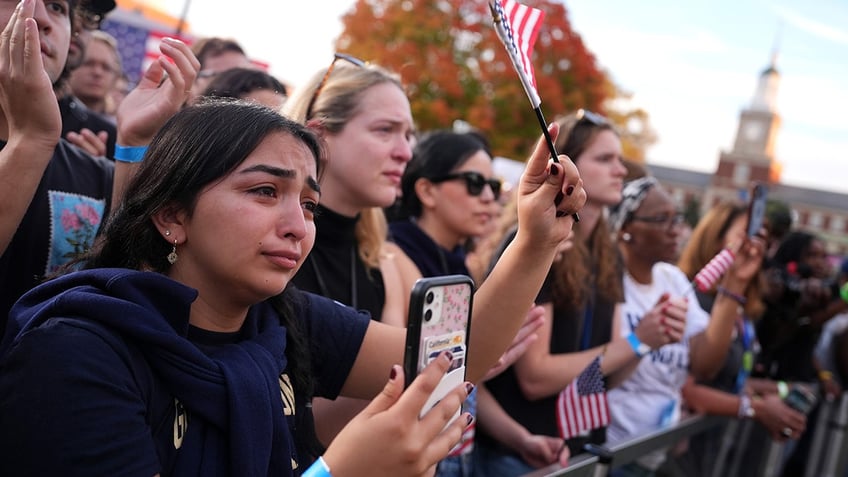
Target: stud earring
{"points": [[626, 237], [172, 257], [167, 233]]}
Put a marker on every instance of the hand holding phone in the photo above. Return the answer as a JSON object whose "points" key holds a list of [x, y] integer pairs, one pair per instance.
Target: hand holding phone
{"points": [[439, 317]]}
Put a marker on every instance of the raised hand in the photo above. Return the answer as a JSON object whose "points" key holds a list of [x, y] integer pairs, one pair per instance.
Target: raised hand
{"points": [[163, 89], [26, 89], [541, 184], [387, 438]]}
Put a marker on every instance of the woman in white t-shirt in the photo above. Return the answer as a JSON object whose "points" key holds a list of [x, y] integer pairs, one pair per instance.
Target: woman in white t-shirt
{"points": [[648, 223]]}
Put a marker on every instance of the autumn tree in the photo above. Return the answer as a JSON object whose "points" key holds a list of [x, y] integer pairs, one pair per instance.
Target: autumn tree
{"points": [[454, 67]]}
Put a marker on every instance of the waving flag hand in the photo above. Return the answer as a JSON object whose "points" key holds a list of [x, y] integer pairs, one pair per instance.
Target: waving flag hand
{"points": [[518, 27]]}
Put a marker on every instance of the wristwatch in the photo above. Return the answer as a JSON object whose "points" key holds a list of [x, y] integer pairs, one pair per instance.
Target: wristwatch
{"points": [[746, 411], [641, 349]]}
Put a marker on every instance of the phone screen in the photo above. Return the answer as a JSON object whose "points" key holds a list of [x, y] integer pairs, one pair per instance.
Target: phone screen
{"points": [[756, 209]]}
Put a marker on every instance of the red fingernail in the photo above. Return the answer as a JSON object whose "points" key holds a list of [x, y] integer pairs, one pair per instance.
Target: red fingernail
{"points": [[449, 356], [469, 387], [569, 190], [393, 373]]}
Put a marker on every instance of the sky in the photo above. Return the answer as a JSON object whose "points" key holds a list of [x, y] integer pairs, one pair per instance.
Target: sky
{"points": [[692, 65]]}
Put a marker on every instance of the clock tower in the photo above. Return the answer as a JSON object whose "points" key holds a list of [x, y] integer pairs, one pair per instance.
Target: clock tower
{"points": [[752, 156]]}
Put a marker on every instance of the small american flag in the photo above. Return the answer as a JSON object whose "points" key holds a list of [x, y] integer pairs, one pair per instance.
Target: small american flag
{"points": [[582, 405], [521, 26]]}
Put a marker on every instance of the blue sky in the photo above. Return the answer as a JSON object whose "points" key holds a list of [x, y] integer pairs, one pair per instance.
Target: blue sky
{"points": [[692, 65]]}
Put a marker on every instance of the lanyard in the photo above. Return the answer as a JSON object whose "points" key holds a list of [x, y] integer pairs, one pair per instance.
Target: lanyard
{"points": [[747, 333]]}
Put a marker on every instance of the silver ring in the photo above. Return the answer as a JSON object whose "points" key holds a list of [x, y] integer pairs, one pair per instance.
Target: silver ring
{"points": [[787, 431]]}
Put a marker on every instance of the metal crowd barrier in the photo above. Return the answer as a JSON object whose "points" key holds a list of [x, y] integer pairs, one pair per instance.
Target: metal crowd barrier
{"points": [[827, 456], [585, 465]]}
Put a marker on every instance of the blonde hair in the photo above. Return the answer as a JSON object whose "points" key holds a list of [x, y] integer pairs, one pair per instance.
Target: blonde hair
{"points": [[336, 103]]}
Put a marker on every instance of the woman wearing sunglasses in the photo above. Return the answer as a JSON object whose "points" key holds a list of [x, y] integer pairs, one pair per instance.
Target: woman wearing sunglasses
{"points": [[582, 298], [448, 196], [362, 113]]}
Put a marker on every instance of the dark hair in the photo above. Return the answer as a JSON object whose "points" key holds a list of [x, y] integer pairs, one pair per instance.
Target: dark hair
{"points": [[792, 247], [239, 82], [210, 47], [195, 148], [436, 154]]}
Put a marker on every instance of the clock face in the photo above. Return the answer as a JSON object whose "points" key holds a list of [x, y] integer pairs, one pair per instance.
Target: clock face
{"points": [[753, 131]]}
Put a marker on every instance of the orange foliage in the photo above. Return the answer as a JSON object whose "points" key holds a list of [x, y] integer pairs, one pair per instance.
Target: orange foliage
{"points": [[455, 67]]}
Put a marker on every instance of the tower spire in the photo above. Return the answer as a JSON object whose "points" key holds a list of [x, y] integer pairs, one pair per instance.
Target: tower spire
{"points": [[765, 97]]}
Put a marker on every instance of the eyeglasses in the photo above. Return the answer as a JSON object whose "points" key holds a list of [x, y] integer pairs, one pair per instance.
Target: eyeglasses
{"points": [[584, 115], [336, 57], [474, 182], [662, 220]]}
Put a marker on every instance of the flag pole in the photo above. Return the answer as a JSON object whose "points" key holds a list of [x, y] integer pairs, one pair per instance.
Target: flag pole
{"points": [[532, 95]]}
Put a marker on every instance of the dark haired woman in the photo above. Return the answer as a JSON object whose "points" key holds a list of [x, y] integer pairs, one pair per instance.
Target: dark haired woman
{"points": [[175, 352], [581, 298]]}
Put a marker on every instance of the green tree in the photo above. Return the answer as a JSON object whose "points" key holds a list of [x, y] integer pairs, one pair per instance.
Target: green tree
{"points": [[455, 67]]}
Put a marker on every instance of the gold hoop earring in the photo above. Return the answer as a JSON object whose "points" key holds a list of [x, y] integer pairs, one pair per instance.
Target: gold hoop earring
{"points": [[172, 257]]}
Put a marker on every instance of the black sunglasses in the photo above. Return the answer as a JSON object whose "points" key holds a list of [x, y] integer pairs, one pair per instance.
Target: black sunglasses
{"points": [[336, 57], [474, 182]]}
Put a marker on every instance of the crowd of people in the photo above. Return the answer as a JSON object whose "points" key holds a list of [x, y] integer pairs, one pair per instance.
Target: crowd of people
{"points": [[209, 274]]}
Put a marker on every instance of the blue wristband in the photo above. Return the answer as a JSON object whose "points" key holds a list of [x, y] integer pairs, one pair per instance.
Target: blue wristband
{"points": [[318, 468], [638, 347], [129, 153]]}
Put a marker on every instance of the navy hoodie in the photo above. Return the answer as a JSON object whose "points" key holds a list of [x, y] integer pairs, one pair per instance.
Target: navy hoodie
{"points": [[98, 376]]}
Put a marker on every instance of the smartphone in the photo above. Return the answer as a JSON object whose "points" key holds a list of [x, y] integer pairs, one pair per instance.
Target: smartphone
{"points": [[800, 399], [439, 319], [756, 209]]}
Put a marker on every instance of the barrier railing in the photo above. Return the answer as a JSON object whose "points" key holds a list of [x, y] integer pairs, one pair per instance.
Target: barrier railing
{"points": [[628, 451], [827, 457]]}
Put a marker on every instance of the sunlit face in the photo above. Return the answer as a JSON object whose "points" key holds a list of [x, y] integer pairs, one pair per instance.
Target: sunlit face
{"points": [[54, 31], [601, 169], [368, 156], [97, 74], [653, 229], [461, 214], [250, 232]]}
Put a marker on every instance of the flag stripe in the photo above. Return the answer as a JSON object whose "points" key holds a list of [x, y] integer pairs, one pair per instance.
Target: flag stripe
{"points": [[582, 405]]}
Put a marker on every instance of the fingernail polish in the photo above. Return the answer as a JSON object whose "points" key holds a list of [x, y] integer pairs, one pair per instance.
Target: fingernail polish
{"points": [[469, 387], [569, 190], [554, 170], [449, 356], [393, 373], [469, 419]]}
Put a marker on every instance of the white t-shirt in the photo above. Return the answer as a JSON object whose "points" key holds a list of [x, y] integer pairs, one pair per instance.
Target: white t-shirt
{"points": [[650, 397]]}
